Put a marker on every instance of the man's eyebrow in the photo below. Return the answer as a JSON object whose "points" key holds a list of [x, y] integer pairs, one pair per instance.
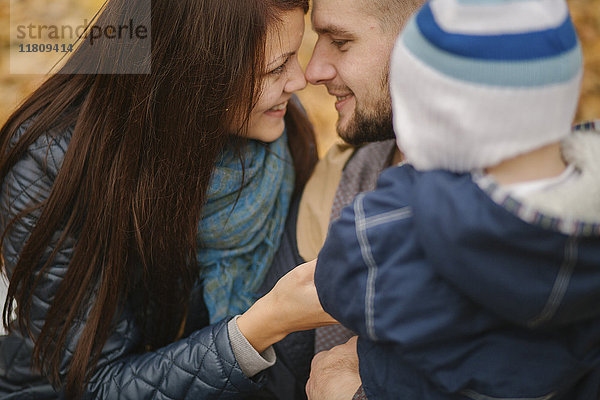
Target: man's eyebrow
{"points": [[331, 30]]}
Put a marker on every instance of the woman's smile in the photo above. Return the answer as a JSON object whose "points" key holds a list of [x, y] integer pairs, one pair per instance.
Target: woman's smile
{"points": [[277, 111]]}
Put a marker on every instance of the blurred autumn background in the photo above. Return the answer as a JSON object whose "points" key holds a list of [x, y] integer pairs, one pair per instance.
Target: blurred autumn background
{"points": [[320, 106]]}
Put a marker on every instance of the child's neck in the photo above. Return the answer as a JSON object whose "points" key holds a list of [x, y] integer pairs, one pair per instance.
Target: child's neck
{"points": [[545, 162]]}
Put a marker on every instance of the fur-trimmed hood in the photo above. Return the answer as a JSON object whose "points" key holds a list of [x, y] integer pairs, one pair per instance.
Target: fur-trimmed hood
{"points": [[578, 199]]}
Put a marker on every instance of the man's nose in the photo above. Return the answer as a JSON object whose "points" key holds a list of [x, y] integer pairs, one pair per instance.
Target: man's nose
{"points": [[319, 69]]}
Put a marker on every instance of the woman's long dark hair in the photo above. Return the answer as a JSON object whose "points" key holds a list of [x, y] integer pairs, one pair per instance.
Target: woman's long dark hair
{"points": [[135, 175]]}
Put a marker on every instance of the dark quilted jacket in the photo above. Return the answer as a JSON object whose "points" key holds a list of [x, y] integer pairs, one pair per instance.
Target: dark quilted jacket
{"points": [[201, 366]]}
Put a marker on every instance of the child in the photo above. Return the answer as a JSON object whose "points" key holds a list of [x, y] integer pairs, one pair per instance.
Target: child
{"points": [[473, 271]]}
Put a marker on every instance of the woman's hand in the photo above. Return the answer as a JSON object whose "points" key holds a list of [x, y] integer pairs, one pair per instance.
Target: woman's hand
{"points": [[292, 305], [296, 297]]}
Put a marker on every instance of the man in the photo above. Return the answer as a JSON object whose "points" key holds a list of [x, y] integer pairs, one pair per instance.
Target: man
{"points": [[351, 58]]}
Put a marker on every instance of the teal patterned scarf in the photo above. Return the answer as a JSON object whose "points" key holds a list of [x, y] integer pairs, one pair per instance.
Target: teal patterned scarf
{"points": [[237, 244]]}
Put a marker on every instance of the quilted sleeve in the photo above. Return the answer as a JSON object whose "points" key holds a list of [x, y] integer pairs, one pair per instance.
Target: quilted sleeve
{"points": [[202, 365]]}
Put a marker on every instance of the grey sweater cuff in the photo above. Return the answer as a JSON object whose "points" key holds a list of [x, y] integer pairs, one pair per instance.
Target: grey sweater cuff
{"points": [[250, 361]]}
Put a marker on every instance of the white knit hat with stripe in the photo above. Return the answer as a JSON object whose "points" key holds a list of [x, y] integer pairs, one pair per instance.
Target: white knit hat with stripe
{"points": [[476, 82]]}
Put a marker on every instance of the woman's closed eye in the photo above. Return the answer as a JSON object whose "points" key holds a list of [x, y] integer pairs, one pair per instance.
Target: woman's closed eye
{"points": [[280, 69]]}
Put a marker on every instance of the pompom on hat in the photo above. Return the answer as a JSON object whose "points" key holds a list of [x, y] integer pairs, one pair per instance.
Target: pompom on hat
{"points": [[476, 82]]}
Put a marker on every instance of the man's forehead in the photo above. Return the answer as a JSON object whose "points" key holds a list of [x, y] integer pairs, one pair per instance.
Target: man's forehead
{"points": [[337, 16], [336, 3]]}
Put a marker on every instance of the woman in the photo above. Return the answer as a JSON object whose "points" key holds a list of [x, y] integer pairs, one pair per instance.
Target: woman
{"points": [[104, 179]]}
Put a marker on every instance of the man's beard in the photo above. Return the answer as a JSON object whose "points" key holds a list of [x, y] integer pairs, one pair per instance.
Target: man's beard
{"points": [[373, 125], [364, 128]]}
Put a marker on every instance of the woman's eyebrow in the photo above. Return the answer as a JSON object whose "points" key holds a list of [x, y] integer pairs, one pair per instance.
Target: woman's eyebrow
{"points": [[283, 56]]}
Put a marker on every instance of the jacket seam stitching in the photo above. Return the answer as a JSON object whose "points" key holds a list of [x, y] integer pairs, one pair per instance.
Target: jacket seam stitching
{"points": [[391, 216], [365, 249], [560, 286], [478, 396]]}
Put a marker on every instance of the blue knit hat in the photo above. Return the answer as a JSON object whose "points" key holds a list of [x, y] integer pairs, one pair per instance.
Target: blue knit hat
{"points": [[476, 82]]}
